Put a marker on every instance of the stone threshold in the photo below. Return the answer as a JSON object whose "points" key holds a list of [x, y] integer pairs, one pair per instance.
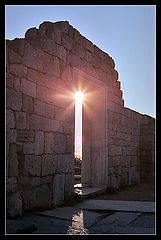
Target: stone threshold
{"points": [[89, 190]]}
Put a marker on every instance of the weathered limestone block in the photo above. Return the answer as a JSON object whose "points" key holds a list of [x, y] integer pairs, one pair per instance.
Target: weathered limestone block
{"points": [[49, 143], [17, 84], [112, 182], [89, 46], [18, 70], [58, 188], [47, 180], [69, 186], [65, 163], [132, 175], [37, 198], [39, 142], [32, 165], [28, 87], [9, 80], [28, 148], [115, 150], [26, 183], [51, 65], [46, 124], [73, 60], [14, 57], [33, 57], [69, 144], [13, 99], [45, 94], [62, 26], [116, 161], [17, 45], [39, 107], [10, 121], [27, 103], [124, 179], [13, 163], [49, 164], [31, 32], [66, 41], [67, 127], [66, 73], [49, 111], [20, 120], [11, 184], [59, 143], [25, 136], [14, 205], [36, 122], [57, 126]]}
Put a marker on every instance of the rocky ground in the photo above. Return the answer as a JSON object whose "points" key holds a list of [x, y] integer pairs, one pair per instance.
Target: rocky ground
{"points": [[126, 211]]}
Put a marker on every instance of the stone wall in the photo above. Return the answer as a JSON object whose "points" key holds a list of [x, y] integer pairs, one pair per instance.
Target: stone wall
{"points": [[147, 148], [40, 85]]}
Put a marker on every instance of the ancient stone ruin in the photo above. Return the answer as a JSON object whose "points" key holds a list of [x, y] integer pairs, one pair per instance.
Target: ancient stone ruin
{"points": [[43, 70]]}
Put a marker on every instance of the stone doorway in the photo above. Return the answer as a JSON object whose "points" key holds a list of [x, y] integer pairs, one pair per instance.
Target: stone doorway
{"points": [[94, 167]]}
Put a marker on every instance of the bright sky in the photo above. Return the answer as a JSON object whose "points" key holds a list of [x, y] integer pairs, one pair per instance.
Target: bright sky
{"points": [[126, 33]]}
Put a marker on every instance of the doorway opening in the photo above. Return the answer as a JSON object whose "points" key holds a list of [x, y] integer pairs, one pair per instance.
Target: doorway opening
{"points": [[79, 96]]}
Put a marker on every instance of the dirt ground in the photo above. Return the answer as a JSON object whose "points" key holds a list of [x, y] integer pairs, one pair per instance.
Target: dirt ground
{"points": [[145, 191]]}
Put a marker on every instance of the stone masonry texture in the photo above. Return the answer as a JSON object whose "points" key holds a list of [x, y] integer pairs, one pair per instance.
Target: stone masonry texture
{"points": [[40, 72]]}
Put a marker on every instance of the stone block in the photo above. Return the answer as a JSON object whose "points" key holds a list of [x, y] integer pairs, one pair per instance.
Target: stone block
{"points": [[14, 57], [36, 122], [59, 143], [27, 103], [32, 165], [52, 66], [17, 45], [13, 99], [89, 46], [17, 84], [67, 128], [132, 175], [31, 32], [49, 143], [33, 57], [39, 107], [25, 136], [39, 142], [28, 87], [11, 185], [116, 161], [115, 150], [37, 198], [20, 120], [26, 183], [14, 205], [45, 94], [65, 163], [49, 164], [9, 80], [18, 70], [66, 73], [28, 148], [66, 41], [62, 26], [57, 126], [10, 120], [58, 188], [69, 186], [49, 111], [13, 163], [69, 144], [46, 124]]}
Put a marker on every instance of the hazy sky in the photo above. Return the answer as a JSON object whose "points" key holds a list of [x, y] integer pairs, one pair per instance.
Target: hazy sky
{"points": [[126, 33]]}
